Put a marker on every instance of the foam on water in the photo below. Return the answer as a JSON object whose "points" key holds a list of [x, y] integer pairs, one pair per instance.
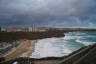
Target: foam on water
{"points": [[48, 48], [15, 63], [86, 43], [57, 47]]}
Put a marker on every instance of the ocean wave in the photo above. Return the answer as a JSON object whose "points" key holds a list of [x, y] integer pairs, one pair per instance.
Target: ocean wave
{"points": [[86, 43], [45, 48], [76, 34], [73, 37], [57, 47]]}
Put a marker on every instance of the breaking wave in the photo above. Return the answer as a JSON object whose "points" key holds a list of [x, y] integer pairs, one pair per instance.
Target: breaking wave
{"points": [[57, 47]]}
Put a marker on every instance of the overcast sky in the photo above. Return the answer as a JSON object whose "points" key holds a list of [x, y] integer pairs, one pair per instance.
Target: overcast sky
{"points": [[51, 13]]}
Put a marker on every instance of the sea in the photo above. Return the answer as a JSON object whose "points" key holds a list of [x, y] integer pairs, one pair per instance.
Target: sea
{"points": [[63, 46]]}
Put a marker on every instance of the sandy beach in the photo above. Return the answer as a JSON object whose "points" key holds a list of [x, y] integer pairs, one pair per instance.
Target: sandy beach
{"points": [[25, 49], [30, 50]]}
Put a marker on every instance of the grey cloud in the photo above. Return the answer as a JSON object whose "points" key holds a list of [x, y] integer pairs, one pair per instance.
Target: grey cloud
{"points": [[58, 13]]}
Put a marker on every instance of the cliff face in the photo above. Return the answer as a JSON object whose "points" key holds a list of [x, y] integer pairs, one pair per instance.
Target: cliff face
{"points": [[85, 55]]}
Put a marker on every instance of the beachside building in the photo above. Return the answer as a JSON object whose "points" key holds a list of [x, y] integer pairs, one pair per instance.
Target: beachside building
{"points": [[29, 29], [40, 29], [14, 29]]}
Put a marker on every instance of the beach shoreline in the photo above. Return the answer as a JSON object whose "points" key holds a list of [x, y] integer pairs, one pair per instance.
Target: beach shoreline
{"points": [[30, 50], [26, 46]]}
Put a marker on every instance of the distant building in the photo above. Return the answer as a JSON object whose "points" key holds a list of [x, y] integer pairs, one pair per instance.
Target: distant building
{"points": [[40, 29], [2, 29], [14, 29], [29, 29]]}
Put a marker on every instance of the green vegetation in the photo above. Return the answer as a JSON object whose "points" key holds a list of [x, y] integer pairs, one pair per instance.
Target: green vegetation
{"points": [[12, 36]]}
